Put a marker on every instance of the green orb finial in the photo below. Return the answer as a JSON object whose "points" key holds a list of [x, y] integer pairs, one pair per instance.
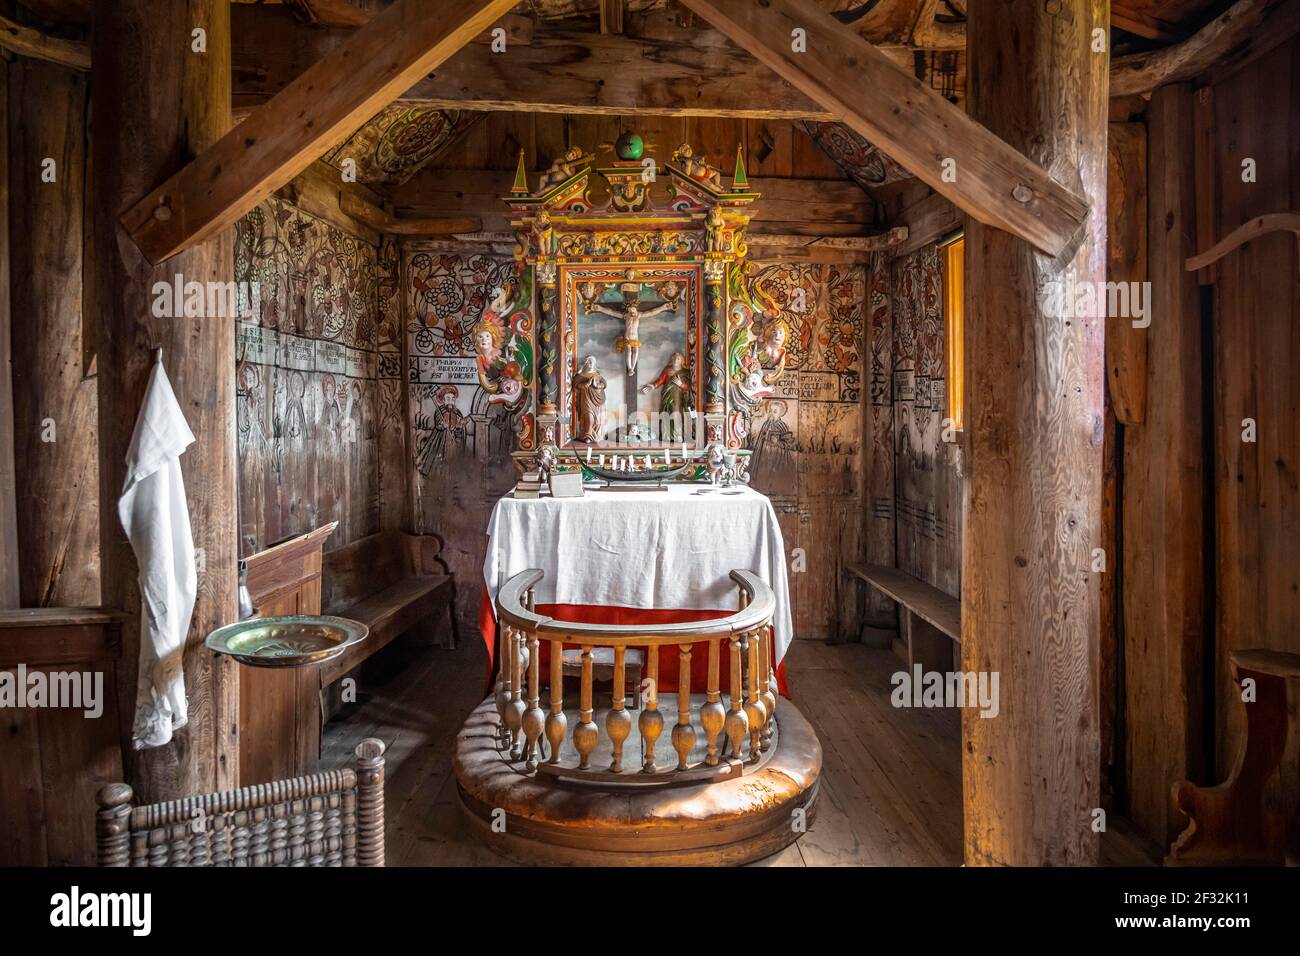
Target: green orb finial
{"points": [[629, 146]]}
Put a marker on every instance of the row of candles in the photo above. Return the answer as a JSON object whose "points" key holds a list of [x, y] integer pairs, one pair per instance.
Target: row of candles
{"points": [[631, 462]]}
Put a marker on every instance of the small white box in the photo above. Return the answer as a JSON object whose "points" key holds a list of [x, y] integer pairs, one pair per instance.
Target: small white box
{"points": [[566, 484]]}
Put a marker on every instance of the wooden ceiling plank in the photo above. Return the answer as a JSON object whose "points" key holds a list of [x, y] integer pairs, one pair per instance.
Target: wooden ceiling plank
{"points": [[916, 126], [326, 104], [562, 70]]}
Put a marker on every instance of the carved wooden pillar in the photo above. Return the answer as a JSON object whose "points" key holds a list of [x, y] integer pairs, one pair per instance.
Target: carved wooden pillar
{"points": [[548, 358], [715, 349], [370, 802], [156, 101], [1030, 604]]}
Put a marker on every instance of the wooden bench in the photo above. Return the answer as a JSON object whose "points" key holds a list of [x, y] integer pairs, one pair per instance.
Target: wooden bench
{"points": [[393, 583], [929, 619]]}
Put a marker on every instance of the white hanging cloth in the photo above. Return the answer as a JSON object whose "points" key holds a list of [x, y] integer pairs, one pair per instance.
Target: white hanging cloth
{"points": [[156, 517]]}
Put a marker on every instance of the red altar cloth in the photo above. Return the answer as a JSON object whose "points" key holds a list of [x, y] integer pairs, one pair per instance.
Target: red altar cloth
{"points": [[593, 614]]}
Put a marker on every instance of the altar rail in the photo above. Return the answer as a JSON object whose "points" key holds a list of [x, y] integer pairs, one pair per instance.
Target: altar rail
{"points": [[743, 734]]}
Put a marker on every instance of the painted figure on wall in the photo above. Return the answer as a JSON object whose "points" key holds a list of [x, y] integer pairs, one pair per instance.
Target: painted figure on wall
{"points": [[295, 416], [674, 383], [447, 432], [589, 402], [331, 415]]}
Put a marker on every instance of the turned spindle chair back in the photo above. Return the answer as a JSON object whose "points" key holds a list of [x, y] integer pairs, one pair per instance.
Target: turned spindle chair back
{"points": [[335, 818]]}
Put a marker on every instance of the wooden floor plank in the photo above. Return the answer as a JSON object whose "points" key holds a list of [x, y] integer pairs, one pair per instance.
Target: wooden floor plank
{"points": [[890, 787]]}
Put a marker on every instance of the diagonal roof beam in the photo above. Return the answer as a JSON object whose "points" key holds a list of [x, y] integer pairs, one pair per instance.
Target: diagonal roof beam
{"points": [[922, 131], [319, 109]]}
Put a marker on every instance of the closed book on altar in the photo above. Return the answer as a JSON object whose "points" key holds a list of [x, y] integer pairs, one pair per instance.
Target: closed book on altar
{"points": [[567, 484]]}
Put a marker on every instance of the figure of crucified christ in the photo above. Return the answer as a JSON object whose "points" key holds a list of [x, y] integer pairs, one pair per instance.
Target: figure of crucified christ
{"points": [[631, 314]]}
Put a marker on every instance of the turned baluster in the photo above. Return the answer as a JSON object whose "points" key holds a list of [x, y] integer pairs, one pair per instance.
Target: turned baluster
{"points": [[556, 723], [585, 733], [515, 709], [501, 692], [533, 719], [769, 686], [683, 734], [712, 714], [618, 722], [754, 712], [651, 722], [737, 722]]}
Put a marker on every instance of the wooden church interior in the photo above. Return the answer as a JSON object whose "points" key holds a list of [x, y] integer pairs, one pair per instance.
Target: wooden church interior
{"points": [[1103, 511]]}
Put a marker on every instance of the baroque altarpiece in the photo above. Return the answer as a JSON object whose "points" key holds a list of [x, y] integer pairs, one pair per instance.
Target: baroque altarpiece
{"points": [[626, 326]]}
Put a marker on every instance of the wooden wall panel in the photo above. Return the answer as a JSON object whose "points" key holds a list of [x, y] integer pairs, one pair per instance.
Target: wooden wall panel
{"points": [[54, 415], [1164, 502], [9, 567], [313, 384], [1256, 358]]}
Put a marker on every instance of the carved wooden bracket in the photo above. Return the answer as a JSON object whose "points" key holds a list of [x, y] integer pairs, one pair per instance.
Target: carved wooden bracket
{"points": [[1251, 229]]}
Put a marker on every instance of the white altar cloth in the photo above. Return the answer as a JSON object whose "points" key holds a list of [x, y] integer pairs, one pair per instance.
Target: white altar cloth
{"points": [[642, 549]]}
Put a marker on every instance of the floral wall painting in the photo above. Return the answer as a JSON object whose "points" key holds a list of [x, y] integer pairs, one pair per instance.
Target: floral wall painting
{"points": [[470, 356], [307, 378]]}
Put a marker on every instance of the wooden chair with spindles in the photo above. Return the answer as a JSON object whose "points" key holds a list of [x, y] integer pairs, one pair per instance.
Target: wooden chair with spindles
{"points": [[335, 818]]}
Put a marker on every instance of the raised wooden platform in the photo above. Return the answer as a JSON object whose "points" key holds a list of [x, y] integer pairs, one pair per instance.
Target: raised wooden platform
{"points": [[536, 819]]}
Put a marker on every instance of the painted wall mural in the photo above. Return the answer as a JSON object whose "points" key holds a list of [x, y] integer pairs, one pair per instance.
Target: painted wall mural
{"points": [[470, 351], [308, 379], [928, 486], [795, 363], [861, 161], [393, 146]]}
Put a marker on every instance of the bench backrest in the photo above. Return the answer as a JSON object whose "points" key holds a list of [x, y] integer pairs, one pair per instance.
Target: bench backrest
{"points": [[369, 565]]}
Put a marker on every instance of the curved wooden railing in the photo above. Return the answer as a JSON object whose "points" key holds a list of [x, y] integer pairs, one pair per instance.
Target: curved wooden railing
{"points": [[744, 733]]}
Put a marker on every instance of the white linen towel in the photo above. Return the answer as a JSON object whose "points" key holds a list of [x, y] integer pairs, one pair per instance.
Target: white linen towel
{"points": [[156, 517]]}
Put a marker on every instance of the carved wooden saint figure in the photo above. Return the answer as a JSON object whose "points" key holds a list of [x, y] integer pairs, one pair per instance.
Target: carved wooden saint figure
{"points": [[589, 411], [564, 168], [674, 383]]}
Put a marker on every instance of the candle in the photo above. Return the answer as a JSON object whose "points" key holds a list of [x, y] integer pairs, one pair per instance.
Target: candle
{"points": [[683, 450], [667, 457], [589, 454], [602, 461]]}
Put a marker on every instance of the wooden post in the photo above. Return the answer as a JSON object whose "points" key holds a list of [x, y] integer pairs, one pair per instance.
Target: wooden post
{"points": [[1034, 430], [155, 102], [54, 401], [8, 480]]}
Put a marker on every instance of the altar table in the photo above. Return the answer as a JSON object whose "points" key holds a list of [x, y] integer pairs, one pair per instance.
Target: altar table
{"points": [[627, 557]]}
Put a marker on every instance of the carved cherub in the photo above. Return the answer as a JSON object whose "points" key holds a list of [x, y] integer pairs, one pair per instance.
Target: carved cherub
{"points": [[564, 167], [696, 167]]}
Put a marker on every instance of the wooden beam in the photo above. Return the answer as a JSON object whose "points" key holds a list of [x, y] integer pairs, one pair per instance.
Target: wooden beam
{"points": [[653, 71], [1143, 72], [927, 221], [26, 41], [916, 126], [1035, 391], [789, 206], [9, 557], [384, 222], [316, 111], [611, 16], [1142, 24]]}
